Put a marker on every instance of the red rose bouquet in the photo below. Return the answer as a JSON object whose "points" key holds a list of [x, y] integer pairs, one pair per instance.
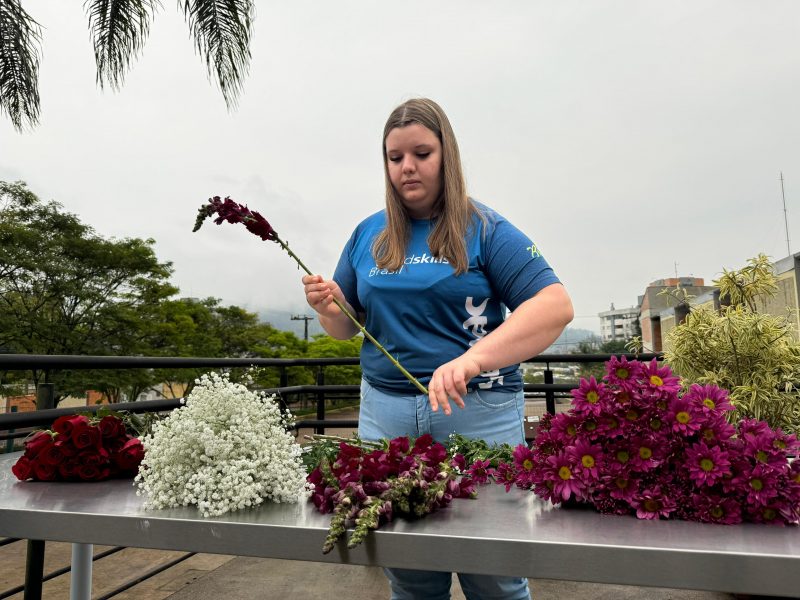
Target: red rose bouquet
{"points": [[79, 449]]}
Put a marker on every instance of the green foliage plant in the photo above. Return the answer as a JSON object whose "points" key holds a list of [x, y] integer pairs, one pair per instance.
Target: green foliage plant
{"points": [[750, 353]]}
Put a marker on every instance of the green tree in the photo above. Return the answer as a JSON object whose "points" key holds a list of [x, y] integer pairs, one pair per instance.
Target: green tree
{"points": [[66, 290], [325, 346], [749, 353], [119, 28]]}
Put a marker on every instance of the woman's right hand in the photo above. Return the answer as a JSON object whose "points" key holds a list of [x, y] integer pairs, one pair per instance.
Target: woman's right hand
{"points": [[320, 294]]}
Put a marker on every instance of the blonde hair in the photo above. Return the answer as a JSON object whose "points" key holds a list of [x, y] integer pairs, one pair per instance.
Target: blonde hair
{"points": [[454, 210]]}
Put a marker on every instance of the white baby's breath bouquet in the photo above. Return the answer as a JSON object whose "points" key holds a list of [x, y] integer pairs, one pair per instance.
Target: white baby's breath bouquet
{"points": [[226, 449]]}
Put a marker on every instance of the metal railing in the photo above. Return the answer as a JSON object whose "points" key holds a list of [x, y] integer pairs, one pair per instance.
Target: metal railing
{"points": [[46, 413]]}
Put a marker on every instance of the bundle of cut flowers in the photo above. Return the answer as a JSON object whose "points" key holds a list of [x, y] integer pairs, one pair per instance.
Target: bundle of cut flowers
{"points": [[78, 448], [226, 448], [366, 484], [634, 443]]}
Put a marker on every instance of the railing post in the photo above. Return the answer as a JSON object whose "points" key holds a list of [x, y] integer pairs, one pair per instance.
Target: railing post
{"points": [[284, 376], [34, 559], [549, 395], [10, 441], [284, 382], [34, 570], [320, 399], [45, 396]]}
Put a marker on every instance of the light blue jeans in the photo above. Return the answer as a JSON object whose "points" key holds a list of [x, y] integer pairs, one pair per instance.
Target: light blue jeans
{"points": [[496, 417]]}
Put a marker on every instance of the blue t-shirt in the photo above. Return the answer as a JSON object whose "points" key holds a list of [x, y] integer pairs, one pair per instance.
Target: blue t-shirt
{"points": [[423, 313]]}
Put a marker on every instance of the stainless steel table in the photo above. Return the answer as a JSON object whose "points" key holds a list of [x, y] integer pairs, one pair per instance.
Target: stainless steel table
{"points": [[499, 533]]}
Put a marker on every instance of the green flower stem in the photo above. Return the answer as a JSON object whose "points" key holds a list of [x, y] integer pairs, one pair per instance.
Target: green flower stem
{"points": [[355, 321], [336, 438]]}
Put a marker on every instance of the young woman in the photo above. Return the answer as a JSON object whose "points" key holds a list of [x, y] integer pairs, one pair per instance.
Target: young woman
{"points": [[431, 277]]}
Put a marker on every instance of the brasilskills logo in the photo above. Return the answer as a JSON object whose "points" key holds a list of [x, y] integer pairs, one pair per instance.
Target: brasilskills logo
{"points": [[413, 259]]}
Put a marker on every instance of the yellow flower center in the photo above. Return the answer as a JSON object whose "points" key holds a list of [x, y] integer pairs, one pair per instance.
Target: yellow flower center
{"points": [[683, 417], [709, 403], [761, 456], [645, 453], [706, 464], [527, 464], [592, 397], [623, 456], [571, 430], [590, 425], [632, 415], [769, 514], [757, 484], [716, 512], [708, 434], [656, 380], [655, 424], [621, 483], [587, 460], [622, 373], [623, 397], [612, 423], [565, 473], [651, 505], [779, 444]]}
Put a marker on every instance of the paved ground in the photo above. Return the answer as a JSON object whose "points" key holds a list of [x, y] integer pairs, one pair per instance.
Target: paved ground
{"points": [[211, 577]]}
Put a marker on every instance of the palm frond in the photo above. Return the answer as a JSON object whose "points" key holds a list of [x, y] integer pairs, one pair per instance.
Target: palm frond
{"points": [[20, 39], [222, 30], [118, 29]]}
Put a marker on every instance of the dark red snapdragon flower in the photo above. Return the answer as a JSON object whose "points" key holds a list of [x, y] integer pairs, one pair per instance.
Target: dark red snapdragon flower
{"points": [[233, 212]]}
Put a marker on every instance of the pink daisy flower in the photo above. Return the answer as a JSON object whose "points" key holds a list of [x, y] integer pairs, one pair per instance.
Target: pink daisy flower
{"points": [[622, 372], [587, 459], [561, 471], [622, 487], [658, 381], [524, 463], [646, 453], [653, 504], [709, 398], [564, 428], [588, 398], [707, 465], [761, 448], [479, 471], [760, 485], [504, 475], [686, 419], [711, 508]]}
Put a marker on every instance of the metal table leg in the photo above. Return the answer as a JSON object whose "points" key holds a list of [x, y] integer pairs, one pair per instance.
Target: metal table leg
{"points": [[80, 587]]}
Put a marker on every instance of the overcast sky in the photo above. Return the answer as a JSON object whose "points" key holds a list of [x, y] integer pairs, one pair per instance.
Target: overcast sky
{"points": [[623, 137]]}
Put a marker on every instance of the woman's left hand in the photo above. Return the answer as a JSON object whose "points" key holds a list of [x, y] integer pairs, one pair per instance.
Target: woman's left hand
{"points": [[449, 382]]}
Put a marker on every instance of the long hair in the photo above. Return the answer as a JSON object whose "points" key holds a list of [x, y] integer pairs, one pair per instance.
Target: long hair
{"points": [[453, 208]]}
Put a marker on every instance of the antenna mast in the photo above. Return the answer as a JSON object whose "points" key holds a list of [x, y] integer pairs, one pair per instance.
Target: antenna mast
{"points": [[785, 219]]}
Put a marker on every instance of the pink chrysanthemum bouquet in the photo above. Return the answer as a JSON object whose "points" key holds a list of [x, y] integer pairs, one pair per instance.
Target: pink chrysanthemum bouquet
{"points": [[633, 443]]}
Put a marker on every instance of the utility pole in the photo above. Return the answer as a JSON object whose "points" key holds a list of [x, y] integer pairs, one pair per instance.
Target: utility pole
{"points": [[785, 218], [305, 318]]}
